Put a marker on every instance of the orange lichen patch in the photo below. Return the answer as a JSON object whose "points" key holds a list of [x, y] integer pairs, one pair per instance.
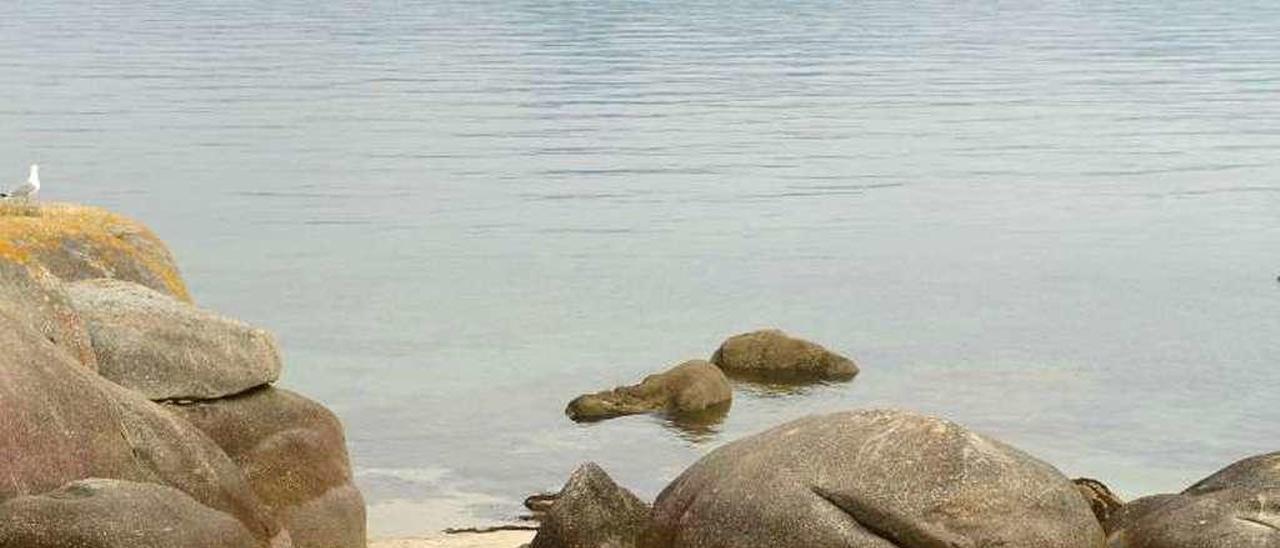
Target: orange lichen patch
{"points": [[75, 242]]}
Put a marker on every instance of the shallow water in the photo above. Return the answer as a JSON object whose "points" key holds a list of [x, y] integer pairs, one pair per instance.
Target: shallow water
{"points": [[1056, 224]]}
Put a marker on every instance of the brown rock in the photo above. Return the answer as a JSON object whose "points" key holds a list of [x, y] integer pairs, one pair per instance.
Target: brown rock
{"points": [[691, 387], [36, 299], [166, 349], [1237, 507], [772, 355], [294, 454], [592, 511], [103, 513], [59, 422], [871, 479]]}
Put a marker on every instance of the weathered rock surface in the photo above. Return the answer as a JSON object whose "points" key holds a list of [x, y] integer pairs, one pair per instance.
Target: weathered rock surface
{"points": [[59, 422], [75, 242], [691, 387], [771, 354], [165, 349], [871, 479], [1237, 507], [1101, 500], [592, 511], [103, 513], [35, 298], [293, 452]]}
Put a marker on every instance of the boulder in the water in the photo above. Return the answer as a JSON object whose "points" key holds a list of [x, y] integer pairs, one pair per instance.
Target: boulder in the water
{"points": [[771, 355], [694, 386]]}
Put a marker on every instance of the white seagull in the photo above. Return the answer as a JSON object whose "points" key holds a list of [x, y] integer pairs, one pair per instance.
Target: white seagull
{"points": [[27, 190]]}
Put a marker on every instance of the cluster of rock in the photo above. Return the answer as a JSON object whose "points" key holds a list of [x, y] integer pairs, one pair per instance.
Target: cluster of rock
{"points": [[700, 387], [131, 418], [880, 478]]}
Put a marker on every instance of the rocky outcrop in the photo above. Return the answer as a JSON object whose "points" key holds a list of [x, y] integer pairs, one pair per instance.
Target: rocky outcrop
{"points": [[592, 511], [63, 423], [95, 323], [771, 355], [293, 452], [102, 513], [34, 298], [75, 242], [1237, 507], [871, 479], [692, 387], [166, 349]]}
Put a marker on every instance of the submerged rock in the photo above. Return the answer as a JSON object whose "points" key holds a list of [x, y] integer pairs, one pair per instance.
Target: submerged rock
{"points": [[293, 452], [59, 422], [104, 513], [871, 479], [692, 387], [75, 242], [592, 511], [1237, 507], [167, 349], [771, 354]]}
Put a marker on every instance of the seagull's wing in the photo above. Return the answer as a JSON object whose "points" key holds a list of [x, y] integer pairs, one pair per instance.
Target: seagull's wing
{"points": [[22, 191]]}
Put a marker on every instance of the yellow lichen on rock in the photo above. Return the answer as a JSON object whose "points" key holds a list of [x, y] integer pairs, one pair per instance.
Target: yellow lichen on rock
{"points": [[75, 242]]}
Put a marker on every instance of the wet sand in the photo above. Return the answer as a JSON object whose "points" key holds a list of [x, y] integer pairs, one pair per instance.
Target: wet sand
{"points": [[497, 539]]}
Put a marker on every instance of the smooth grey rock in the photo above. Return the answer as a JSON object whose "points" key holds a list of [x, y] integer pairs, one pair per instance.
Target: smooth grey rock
{"points": [[1237, 507], [592, 511], [770, 355], [60, 422], [105, 513], [871, 479], [691, 387], [167, 349], [294, 454]]}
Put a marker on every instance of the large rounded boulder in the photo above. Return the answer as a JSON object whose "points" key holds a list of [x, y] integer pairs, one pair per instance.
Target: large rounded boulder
{"points": [[167, 349], [293, 452], [772, 355], [871, 479], [1237, 507], [59, 422], [103, 513], [692, 387]]}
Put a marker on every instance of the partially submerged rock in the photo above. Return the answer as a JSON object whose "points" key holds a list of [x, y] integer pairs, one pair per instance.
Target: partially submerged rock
{"points": [[771, 355], [75, 242], [692, 387], [592, 511], [293, 452], [1237, 507], [104, 513], [871, 479], [59, 422], [167, 349]]}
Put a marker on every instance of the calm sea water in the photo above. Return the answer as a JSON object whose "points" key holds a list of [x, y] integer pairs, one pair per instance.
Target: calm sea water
{"points": [[1055, 223]]}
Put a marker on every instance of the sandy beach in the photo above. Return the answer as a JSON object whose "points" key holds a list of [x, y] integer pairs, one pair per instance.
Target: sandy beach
{"points": [[497, 539]]}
